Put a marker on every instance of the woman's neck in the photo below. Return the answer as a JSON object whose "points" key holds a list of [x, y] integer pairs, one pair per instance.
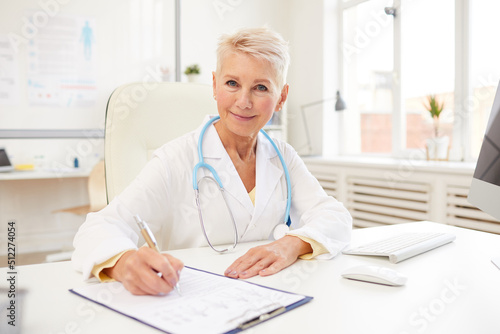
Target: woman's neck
{"points": [[240, 148], [243, 152]]}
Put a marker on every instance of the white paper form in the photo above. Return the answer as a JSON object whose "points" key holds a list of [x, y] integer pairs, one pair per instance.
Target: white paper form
{"points": [[209, 303]]}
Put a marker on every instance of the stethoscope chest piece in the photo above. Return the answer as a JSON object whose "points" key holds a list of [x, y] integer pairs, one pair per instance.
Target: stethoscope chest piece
{"points": [[280, 231]]}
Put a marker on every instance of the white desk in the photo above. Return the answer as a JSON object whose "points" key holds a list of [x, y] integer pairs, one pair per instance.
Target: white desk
{"points": [[45, 174], [452, 289]]}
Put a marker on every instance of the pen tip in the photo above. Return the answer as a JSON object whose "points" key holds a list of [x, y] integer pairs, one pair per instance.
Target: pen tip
{"points": [[137, 218], [178, 289], [139, 221]]}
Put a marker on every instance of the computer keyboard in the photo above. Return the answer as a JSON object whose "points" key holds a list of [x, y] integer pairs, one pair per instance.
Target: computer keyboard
{"points": [[402, 246]]}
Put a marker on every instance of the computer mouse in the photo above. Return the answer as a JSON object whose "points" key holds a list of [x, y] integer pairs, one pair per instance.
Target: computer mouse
{"points": [[375, 274]]}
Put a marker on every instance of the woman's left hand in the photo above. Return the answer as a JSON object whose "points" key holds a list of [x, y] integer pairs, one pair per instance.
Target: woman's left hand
{"points": [[268, 259]]}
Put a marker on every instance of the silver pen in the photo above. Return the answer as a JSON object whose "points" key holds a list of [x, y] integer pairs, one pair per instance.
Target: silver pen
{"points": [[151, 241]]}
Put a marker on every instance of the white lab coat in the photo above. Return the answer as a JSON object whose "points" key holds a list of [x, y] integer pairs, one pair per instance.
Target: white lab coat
{"points": [[163, 195]]}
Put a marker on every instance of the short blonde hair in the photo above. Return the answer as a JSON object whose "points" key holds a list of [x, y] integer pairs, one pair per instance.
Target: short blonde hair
{"points": [[261, 43]]}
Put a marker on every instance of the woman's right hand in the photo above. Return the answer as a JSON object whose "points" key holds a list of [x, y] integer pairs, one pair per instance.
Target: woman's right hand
{"points": [[139, 271]]}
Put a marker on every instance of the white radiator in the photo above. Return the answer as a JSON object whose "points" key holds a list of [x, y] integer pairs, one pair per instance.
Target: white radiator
{"points": [[418, 193], [461, 213], [374, 202]]}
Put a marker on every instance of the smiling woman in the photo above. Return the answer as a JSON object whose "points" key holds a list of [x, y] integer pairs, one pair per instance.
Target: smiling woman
{"points": [[247, 95], [249, 87]]}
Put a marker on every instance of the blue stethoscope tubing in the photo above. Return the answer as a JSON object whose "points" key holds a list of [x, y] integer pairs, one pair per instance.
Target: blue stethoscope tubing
{"points": [[203, 164]]}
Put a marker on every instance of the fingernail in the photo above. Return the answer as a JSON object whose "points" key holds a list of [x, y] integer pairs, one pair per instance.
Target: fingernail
{"points": [[234, 273], [172, 282], [243, 273], [227, 271]]}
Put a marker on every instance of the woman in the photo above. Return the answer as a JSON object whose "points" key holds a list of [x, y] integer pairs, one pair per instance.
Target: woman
{"points": [[249, 86]]}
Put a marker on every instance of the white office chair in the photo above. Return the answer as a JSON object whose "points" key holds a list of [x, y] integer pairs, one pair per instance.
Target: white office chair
{"points": [[140, 117]]}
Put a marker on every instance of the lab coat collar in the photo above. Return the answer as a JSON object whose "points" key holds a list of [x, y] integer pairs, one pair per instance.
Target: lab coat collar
{"points": [[215, 154], [212, 145], [268, 174]]}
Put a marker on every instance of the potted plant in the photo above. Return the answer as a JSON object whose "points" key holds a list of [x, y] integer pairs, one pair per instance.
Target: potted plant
{"points": [[438, 146], [192, 72]]}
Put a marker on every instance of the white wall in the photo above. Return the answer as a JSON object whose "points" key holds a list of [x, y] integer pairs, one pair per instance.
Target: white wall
{"points": [[120, 39], [313, 75], [204, 21], [119, 59], [306, 71], [332, 79]]}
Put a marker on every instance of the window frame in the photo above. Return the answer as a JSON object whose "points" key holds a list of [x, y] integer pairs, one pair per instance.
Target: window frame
{"points": [[462, 131]]}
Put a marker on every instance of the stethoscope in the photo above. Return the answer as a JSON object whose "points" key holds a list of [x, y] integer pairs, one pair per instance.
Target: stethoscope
{"points": [[279, 231]]}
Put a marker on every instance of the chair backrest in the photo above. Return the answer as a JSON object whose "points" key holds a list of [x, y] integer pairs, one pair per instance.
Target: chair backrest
{"points": [[140, 117]]}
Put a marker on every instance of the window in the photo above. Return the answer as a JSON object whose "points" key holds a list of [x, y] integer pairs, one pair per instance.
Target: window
{"points": [[427, 67], [392, 60], [368, 66]]}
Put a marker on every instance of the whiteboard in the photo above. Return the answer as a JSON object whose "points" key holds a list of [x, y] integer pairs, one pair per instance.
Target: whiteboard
{"points": [[60, 60]]}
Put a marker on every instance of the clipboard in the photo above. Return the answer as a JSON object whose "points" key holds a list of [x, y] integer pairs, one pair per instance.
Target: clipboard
{"points": [[210, 303]]}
